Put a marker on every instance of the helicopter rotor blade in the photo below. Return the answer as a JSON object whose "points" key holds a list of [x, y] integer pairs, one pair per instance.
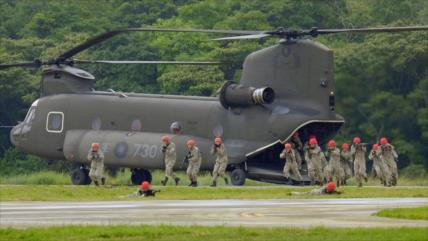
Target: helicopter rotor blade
{"points": [[34, 64], [368, 30], [251, 36], [104, 36], [145, 62]]}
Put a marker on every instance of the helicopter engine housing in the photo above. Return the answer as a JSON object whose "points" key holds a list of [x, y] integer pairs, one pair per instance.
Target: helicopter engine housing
{"points": [[234, 95]]}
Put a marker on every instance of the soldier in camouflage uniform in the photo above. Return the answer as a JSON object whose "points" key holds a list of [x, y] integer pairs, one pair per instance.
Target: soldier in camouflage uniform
{"points": [[315, 159], [297, 147], [96, 157], [289, 155], [346, 161], [358, 150], [170, 157], [334, 168], [380, 168], [194, 158], [390, 158], [220, 163]]}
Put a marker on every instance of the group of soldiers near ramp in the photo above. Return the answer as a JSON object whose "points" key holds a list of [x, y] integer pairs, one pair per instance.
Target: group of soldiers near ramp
{"points": [[322, 167], [340, 164]]}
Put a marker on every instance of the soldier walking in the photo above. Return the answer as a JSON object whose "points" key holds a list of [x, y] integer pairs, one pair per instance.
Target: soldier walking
{"points": [[358, 150], [291, 165], [346, 161], [170, 157], [297, 147], [380, 168], [194, 158], [96, 157], [334, 168], [220, 163], [315, 159], [390, 158]]}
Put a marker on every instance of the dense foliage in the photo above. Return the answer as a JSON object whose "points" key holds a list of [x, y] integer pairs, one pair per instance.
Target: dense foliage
{"points": [[382, 79]]}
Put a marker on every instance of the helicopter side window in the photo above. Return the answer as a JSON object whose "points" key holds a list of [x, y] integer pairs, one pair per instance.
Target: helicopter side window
{"points": [[55, 122]]}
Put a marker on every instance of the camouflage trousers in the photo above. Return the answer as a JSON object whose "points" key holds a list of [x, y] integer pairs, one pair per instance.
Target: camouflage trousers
{"points": [[293, 168], [392, 166], [382, 172], [193, 170], [219, 170], [96, 172], [169, 172], [315, 172], [360, 170], [334, 171]]}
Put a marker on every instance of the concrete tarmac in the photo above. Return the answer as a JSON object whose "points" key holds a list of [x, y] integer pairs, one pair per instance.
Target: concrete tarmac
{"points": [[267, 213]]}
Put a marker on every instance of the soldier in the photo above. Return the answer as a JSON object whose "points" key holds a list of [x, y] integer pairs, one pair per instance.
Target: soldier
{"points": [[390, 157], [195, 159], [297, 146], [330, 188], [380, 168], [96, 157], [290, 157], [220, 163], [315, 159], [334, 168], [346, 161], [358, 150], [170, 157]]}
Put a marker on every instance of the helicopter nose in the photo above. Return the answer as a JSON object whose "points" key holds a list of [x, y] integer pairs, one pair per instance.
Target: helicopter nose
{"points": [[14, 135]]}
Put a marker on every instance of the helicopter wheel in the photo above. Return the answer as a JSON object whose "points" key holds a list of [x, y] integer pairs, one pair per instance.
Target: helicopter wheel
{"points": [[140, 175], [238, 177], [80, 177]]}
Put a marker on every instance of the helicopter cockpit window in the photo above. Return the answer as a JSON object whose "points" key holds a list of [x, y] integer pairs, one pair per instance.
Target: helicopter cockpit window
{"points": [[30, 115], [55, 122], [175, 127], [136, 125]]}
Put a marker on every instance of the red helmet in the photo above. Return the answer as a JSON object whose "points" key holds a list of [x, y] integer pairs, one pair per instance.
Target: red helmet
{"points": [[312, 137], [357, 140], [95, 146], [332, 144], [190, 142], [331, 187], [375, 147], [345, 146], [217, 140], [313, 141], [287, 146], [145, 185], [165, 139], [383, 141]]}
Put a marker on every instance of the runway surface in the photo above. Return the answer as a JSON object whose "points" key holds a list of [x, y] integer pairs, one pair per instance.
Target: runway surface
{"points": [[285, 212]]}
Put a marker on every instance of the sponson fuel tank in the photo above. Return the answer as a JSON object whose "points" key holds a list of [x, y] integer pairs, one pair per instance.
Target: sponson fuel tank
{"points": [[134, 149]]}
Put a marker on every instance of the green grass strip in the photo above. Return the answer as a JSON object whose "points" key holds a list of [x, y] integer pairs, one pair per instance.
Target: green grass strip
{"points": [[419, 213]]}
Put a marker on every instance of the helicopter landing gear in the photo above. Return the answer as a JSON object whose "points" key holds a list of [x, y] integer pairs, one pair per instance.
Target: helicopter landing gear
{"points": [[140, 175], [238, 176], [80, 176]]}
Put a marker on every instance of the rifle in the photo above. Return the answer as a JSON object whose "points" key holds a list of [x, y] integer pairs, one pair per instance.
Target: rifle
{"points": [[185, 160]]}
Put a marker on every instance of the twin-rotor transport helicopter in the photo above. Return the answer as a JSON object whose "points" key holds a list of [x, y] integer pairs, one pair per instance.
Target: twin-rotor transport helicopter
{"points": [[284, 88]]}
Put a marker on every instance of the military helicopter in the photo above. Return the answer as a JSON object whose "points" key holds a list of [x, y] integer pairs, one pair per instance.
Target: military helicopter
{"points": [[286, 88]]}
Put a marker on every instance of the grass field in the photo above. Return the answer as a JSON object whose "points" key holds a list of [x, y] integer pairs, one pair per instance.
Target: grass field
{"points": [[123, 178], [90, 193], [190, 233], [420, 213]]}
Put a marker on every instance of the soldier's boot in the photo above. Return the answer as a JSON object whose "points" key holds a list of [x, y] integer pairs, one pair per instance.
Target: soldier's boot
{"points": [[103, 181], [96, 183], [191, 183], [226, 181], [194, 184], [164, 181], [177, 181], [365, 179], [360, 184], [394, 182], [214, 184]]}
